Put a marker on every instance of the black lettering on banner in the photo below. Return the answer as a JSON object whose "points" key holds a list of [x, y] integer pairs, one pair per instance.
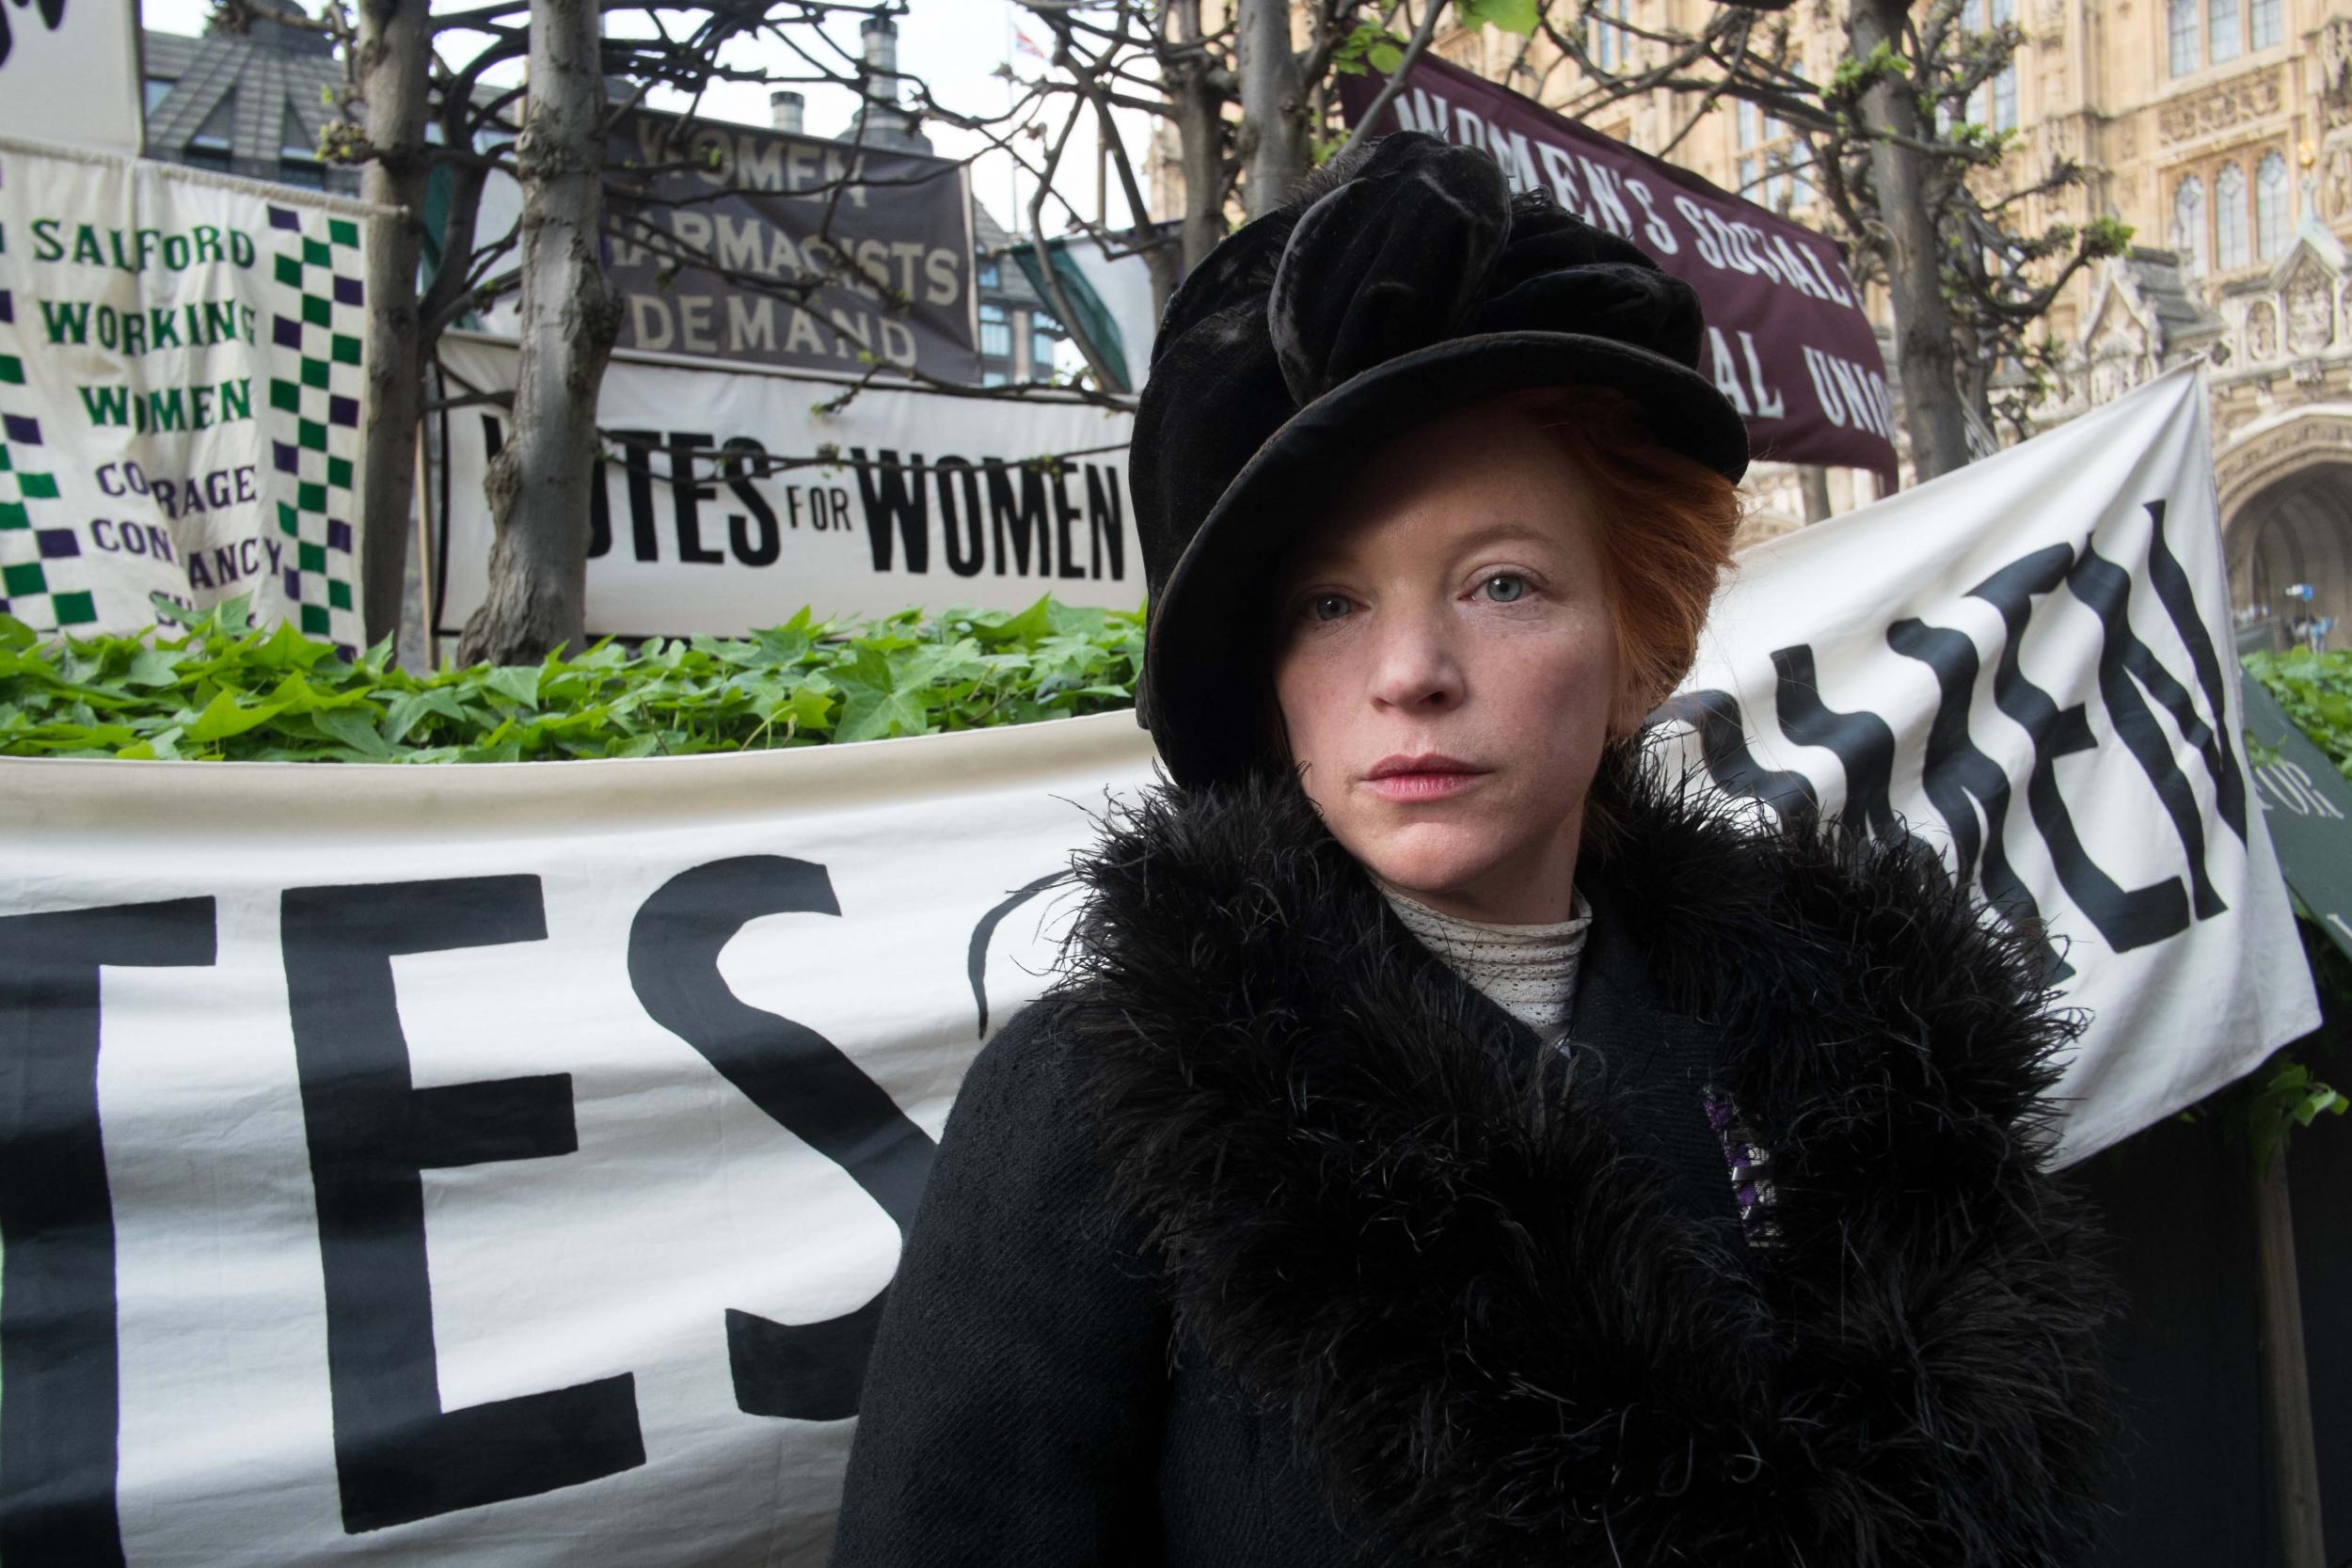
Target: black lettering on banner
{"points": [[2179, 597], [1025, 515], [2125, 917], [1066, 516], [399, 1456], [804, 1372], [1957, 777], [637, 461], [976, 952], [1106, 522], [963, 528], [755, 538], [599, 507], [687, 493], [2126, 665], [1723, 743], [1864, 743], [59, 1363], [895, 494]]}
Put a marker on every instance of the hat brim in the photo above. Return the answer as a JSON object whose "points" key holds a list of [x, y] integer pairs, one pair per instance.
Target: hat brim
{"points": [[1207, 634]]}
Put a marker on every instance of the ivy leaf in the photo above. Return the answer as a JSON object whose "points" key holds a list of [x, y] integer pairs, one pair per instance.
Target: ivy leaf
{"points": [[518, 683], [875, 716], [224, 715], [407, 708], [1000, 627], [809, 711], [355, 730], [151, 666], [958, 660]]}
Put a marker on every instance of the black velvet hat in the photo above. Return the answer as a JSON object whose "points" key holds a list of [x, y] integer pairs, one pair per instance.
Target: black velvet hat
{"points": [[1404, 282]]}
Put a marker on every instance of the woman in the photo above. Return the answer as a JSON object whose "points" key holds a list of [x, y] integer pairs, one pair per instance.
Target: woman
{"points": [[1451, 1142]]}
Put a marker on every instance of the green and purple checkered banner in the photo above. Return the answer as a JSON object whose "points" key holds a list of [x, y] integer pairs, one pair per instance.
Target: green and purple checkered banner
{"points": [[181, 382]]}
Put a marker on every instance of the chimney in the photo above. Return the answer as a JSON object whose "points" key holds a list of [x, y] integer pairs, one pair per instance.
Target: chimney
{"points": [[883, 120], [784, 110], [880, 38]]}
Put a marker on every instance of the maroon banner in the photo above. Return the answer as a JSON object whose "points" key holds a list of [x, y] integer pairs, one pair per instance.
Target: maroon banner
{"points": [[1786, 339]]}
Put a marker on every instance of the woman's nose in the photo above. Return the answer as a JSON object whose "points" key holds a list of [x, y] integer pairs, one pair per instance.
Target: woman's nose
{"points": [[1416, 668]]}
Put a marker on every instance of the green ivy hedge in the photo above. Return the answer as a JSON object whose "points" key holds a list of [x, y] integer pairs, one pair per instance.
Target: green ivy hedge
{"points": [[216, 688], [2314, 691]]}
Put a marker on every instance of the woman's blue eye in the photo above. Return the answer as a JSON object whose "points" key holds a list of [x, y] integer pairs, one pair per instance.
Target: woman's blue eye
{"points": [[1504, 587], [1327, 607]]}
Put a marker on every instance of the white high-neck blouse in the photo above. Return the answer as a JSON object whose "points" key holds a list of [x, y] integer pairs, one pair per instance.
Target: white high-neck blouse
{"points": [[1527, 971]]}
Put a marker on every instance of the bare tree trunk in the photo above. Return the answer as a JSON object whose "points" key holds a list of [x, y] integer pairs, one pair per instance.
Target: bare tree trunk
{"points": [[1273, 105], [1199, 132], [395, 52], [1815, 480], [1923, 319], [538, 485], [1167, 269], [1186, 75]]}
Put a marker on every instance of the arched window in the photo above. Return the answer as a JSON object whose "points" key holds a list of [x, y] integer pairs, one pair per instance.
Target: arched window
{"points": [[2188, 222], [2228, 217], [2181, 30], [2221, 29], [2271, 205]]}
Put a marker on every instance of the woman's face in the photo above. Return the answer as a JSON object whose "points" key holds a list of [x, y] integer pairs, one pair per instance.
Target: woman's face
{"points": [[1446, 667]]}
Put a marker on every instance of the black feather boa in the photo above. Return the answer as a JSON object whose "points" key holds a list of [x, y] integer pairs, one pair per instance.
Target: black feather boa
{"points": [[1436, 1261]]}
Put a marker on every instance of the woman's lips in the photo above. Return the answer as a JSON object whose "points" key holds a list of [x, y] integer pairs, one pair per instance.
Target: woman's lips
{"points": [[1421, 777]]}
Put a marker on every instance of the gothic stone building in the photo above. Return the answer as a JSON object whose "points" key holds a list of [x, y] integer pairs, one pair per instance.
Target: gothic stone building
{"points": [[2220, 129]]}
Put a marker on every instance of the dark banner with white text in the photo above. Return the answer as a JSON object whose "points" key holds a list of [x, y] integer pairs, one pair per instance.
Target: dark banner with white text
{"points": [[732, 242], [1786, 337]]}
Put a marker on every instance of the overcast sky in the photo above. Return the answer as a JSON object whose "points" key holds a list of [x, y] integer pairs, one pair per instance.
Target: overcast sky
{"points": [[957, 46]]}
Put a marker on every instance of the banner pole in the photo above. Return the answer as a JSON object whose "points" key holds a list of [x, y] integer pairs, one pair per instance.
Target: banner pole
{"points": [[425, 555], [2286, 1373]]}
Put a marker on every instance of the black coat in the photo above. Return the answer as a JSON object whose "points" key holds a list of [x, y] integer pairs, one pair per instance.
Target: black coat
{"points": [[1264, 1240]]}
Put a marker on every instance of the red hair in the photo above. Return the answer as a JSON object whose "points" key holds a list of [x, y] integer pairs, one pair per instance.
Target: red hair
{"points": [[1665, 524]]}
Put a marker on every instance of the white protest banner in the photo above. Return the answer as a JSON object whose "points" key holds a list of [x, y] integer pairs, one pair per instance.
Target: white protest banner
{"points": [[69, 72], [495, 1166], [714, 514], [499, 1165], [181, 380], [2030, 663]]}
